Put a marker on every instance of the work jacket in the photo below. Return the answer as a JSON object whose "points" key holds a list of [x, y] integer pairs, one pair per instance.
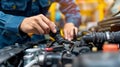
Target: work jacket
{"points": [[12, 13]]}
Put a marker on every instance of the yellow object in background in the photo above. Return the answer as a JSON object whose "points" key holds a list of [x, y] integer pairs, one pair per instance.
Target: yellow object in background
{"points": [[92, 10], [101, 9], [30, 34], [52, 10]]}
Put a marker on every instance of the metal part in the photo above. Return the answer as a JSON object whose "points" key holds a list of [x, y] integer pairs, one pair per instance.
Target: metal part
{"points": [[28, 58], [30, 64], [107, 35], [41, 59]]}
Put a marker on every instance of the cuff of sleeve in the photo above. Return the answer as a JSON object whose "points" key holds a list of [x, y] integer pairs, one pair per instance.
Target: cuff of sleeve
{"points": [[75, 19], [76, 22], [13, 25]]}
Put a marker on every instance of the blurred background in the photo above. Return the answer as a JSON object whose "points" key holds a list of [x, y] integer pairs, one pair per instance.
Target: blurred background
{"points": [[91, 12]]}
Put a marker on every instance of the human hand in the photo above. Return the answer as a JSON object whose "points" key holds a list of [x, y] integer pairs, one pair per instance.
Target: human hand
{"points": [[69, 31], [37, 25]]}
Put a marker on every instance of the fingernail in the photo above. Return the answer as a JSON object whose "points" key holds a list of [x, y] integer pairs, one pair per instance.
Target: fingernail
{"points": [[65, 37], [69, 39], [54, 25], [54, 31]]}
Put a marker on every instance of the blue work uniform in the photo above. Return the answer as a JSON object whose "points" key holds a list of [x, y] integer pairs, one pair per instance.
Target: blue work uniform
{"points": [[12, 13]]}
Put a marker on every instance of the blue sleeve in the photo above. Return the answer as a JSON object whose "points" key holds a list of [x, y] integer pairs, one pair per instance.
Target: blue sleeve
{"points": [[10, 22], [9, 30], [71, 11]]}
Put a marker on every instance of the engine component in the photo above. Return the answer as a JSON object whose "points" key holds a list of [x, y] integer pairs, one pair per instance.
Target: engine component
{"points": [[101, 37], [58, 37], [110, 47], [110, 24], [45, 59], [59, 53]]}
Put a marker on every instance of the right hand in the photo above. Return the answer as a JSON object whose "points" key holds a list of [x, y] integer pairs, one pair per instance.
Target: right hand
{"points": [[37, 25]]}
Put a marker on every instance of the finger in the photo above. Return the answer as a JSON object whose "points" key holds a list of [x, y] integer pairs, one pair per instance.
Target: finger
{"points": [[76, 30], [69, 38], [31, 29], [65, 34], [68, 35], [49, 23], [37, 28], [71, 34], [43, 25], [35, 31]]}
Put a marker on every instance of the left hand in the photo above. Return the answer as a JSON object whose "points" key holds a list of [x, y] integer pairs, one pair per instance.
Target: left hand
{"points": [[69, 31]]}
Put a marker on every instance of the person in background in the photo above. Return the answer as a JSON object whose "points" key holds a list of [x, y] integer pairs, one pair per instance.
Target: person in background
{"points": [[59, 17], [20, 17]]}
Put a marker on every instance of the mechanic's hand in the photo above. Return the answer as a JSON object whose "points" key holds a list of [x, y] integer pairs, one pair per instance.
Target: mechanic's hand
{"points": [[69, 31], [37, 25]]}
